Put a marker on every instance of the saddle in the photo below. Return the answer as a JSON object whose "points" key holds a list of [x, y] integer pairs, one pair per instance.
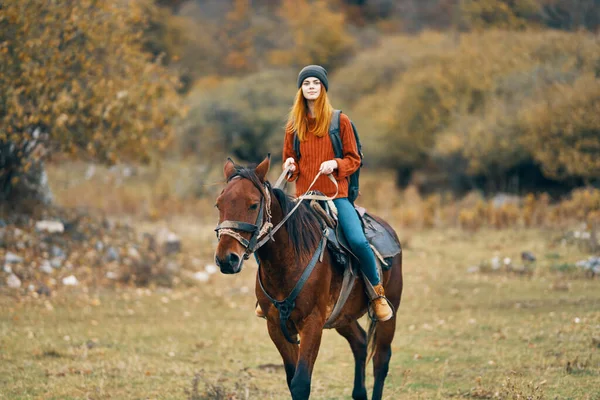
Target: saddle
{"points": [[382, 242]]}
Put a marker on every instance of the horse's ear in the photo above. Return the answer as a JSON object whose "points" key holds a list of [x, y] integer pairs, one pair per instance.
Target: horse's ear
{"points": [[262, 168], [229, 168]]}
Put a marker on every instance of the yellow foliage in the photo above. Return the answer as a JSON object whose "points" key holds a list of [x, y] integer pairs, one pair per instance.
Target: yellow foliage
{"points": [[505, 14], [563, 132], [83, 78], [237, 36], [431, 209], [469, 220], [446, 97], [473, 212], [317, 35]]}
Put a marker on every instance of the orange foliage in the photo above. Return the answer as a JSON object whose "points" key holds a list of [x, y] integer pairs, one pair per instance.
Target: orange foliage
{"points": [[76, 70], [317, 35]]}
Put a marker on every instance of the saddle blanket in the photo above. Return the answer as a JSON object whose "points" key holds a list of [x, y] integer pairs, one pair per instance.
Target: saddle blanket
{"points": [[380, 238], [382, 241]]}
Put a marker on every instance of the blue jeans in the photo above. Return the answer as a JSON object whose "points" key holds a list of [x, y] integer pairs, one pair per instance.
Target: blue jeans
{"points": [[350, 224]]}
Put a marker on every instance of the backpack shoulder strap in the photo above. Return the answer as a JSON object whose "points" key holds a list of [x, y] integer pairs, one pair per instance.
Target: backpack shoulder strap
{"points": [[334, 134], [296, 145]]}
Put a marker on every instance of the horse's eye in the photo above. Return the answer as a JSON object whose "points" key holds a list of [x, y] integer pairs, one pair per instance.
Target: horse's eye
{"points": [[254, 206]]}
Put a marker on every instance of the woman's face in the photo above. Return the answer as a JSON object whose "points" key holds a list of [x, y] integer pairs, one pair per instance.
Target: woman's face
{"points": [[311, 88]]}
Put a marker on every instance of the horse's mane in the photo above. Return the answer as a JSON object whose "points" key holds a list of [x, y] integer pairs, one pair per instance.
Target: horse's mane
{"points": [[303, 226]]}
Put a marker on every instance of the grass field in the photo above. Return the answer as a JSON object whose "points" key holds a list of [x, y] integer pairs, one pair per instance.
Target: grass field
{"points": [[459, 335]]}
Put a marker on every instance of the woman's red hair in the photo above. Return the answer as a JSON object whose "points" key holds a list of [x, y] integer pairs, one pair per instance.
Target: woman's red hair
{"points": [[298, 117]]}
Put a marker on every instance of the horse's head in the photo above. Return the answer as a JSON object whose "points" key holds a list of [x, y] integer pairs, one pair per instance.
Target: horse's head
{"points": [[243, 211]]}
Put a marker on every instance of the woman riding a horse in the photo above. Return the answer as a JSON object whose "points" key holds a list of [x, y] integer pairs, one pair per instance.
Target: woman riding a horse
{"points": [[310, 118], [298, 281]]}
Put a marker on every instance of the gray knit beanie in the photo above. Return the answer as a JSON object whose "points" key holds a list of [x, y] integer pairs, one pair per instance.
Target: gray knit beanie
{"points": [[313, 71]]}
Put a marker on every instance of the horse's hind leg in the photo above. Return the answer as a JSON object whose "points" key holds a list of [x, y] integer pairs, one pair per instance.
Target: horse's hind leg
{"points": [[385, 330], [356, 336], [288, 351], [382, 355]]}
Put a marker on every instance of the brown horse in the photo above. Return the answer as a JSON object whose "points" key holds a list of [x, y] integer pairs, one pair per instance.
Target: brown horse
{"points": [[248, 208]]}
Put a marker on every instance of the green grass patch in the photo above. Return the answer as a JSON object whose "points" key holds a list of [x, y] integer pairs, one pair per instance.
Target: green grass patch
{"points": [[459, 335]]}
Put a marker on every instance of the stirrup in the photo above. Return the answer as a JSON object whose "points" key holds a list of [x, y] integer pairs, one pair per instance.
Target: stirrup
{"points": [[258, 311]]}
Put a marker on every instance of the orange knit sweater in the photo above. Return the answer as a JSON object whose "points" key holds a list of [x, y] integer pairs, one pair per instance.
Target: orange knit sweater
{"points": [[314, 150]]}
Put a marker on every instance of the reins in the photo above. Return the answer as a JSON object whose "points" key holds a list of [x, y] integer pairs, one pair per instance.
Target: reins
{"points": [[266, 231], [307, 195]]}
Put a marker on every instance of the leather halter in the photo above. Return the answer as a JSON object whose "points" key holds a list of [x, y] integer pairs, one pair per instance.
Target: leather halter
{"points": [[230, 227]]}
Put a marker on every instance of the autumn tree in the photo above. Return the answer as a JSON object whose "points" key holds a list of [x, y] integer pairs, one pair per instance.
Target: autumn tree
{"points": [[570, 15], [237, 36], [242, 117], [75, 79], [312, 34], [505, 14], [453, 104], [563, 132]]}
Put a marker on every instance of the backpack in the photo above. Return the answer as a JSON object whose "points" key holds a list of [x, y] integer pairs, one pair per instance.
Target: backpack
{"points": [[336, 141]]}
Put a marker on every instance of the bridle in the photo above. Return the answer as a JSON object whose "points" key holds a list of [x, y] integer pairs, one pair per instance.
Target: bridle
{"points": [[229, 228]]}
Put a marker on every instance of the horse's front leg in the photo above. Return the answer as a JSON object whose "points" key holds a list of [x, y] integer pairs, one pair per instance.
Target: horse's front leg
{"points": [[288, 351], [357, 338], [311, 332]]}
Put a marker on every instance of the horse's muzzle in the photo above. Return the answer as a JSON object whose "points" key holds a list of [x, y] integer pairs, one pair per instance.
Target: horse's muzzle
{"points": [[230, 264]]}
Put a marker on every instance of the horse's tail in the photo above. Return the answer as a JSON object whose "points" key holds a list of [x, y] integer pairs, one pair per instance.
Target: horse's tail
{"points": [[371, 338]]}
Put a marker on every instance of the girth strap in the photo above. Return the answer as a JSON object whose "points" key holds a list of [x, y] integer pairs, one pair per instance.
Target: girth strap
{"points": [[347, 286], [286, 306]]}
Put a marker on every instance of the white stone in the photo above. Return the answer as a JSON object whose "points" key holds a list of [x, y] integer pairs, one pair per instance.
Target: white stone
{"points": [[168, 241], [13, 281], [133, 253], [201, 276], [12, 258], [496, 263], [210, 268], [46, 267], [56, 262], [90, 172], [50, 226], [70, 280], [112, 275]]}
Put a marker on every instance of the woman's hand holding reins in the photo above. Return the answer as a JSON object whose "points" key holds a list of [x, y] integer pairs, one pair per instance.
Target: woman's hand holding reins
{"points": [[327, 167], [290, 163]]}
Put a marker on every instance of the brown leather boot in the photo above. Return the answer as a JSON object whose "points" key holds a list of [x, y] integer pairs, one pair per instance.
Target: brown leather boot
{"points": [[259, 312], [382, 309]]}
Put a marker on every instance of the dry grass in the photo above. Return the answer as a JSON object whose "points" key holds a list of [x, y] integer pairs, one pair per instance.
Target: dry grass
{"points": [[459, 335], [144, 192], [173, 189]]}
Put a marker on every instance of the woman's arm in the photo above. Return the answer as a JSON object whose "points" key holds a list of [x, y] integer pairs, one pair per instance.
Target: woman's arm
{"points": [[288, 151]]}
